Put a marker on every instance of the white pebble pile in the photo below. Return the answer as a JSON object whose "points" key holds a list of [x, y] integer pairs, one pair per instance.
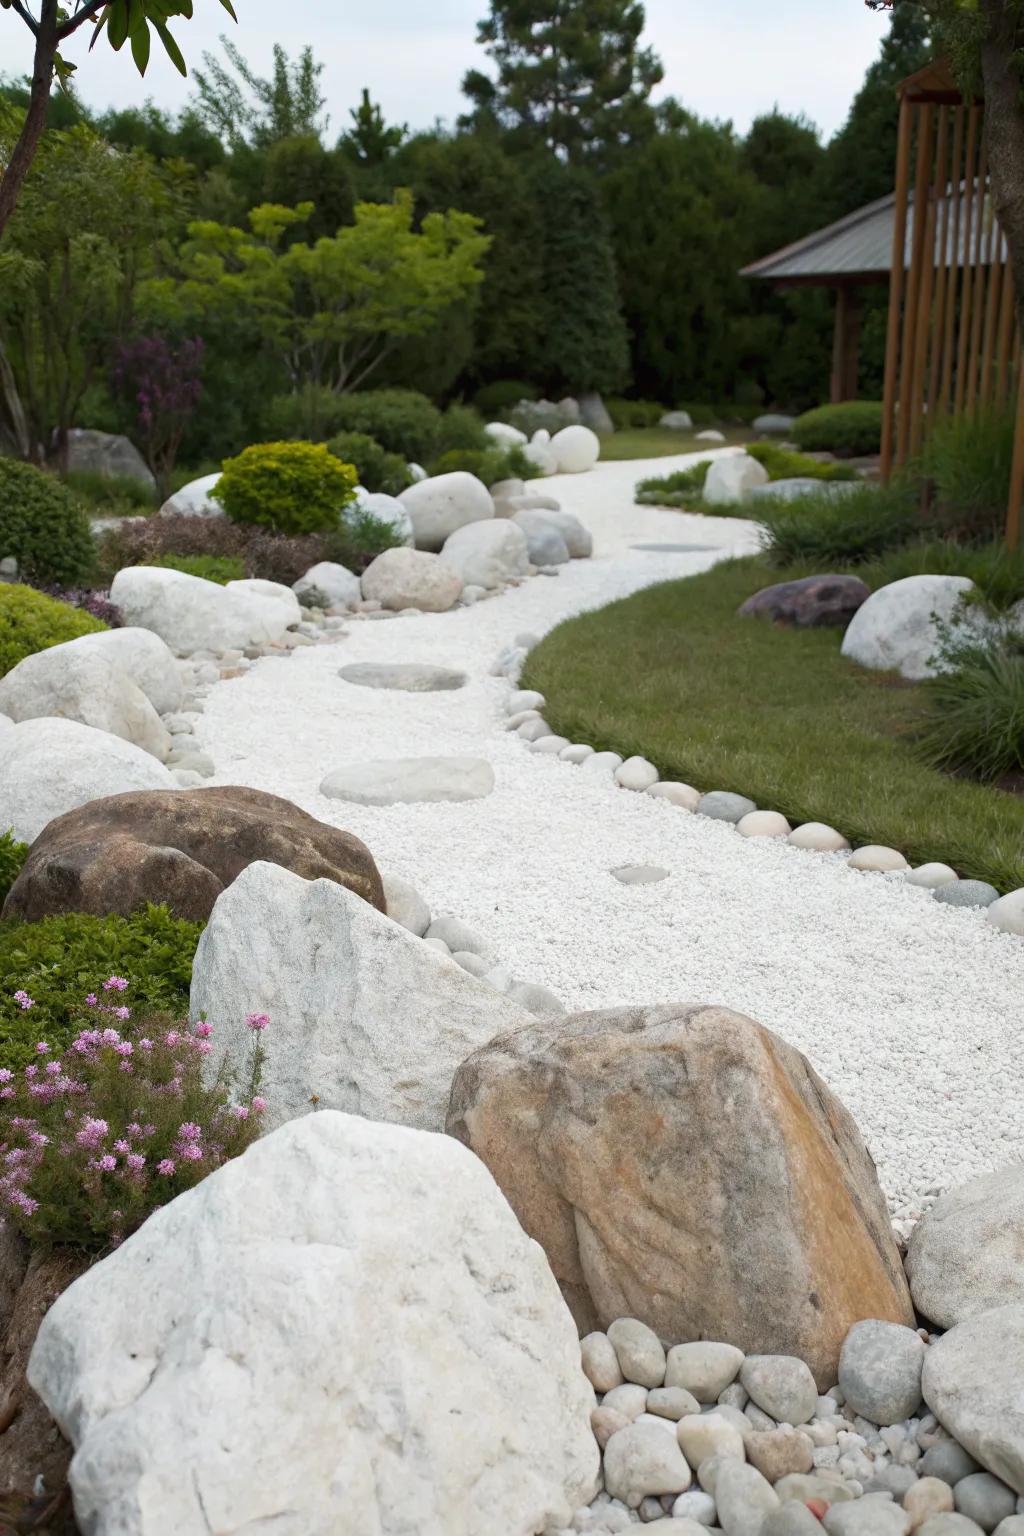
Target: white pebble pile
{"points": [[909, 1009]]}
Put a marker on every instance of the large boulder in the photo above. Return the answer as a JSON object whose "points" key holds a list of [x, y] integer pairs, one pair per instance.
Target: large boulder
{"points": [[684, 1166], [75, 682], [900, 627], [343, 1331], [144, 658], [733, 478], [194, 499], [576, 449], [579, 541], [443, 503], [191, 614], [366, 1018], [50, 766], [384, 509], [544, 542], [275, 592], [487, 554], [109, 454], [676, 421], [972, 1383], [811, 602], [411, 578], [329, 580], [594, 413], [966, 1254], [181, 847]]}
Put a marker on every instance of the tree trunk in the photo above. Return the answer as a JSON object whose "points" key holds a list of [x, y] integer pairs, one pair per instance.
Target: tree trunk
{"points": [[35, 119], [1004, 130]]}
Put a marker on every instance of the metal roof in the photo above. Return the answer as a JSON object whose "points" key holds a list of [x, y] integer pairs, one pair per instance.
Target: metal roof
{"points": [[858, 248]]}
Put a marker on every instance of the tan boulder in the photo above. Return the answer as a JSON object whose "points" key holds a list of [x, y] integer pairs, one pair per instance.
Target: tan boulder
{"points": [[684, 1166], [181, 847]]}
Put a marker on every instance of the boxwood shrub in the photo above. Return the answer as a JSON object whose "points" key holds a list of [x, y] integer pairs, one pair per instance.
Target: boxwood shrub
{"points": [[292, 488], [847, 430], [43, 527], [376, 468], [402, 421], [30, 621]]}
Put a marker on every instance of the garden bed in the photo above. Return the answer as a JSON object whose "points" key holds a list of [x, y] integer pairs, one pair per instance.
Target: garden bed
{"points": [[776, 714]]}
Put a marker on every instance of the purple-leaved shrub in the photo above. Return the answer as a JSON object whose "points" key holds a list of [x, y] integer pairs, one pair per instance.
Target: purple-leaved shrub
{"points": [[95, 1140]]}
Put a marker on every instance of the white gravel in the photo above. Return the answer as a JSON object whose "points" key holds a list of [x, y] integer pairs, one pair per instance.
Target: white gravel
{"points": [[911, 1011]]}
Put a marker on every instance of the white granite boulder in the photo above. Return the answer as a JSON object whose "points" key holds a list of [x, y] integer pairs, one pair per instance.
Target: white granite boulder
{"points": [[972, 1383], [505, 435], [899, 628], [191, 614], [144, 658], [275, 592], [539, 454], [83, 683], [443, 503], [343, 1331], [412, 578], [576, 449], [733, 478], [487, 554], [363, 1014], [50, 766], [677, 421], [194, 499], [334, 582]]}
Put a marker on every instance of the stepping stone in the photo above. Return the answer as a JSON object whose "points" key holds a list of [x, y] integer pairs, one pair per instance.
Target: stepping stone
{"points": [[673, 549], [407, 676], [410, 780], [639, 874]]}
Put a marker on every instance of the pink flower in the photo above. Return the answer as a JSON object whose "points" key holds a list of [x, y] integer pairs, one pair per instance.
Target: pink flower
{"points": [[23, 1000], [110, 1037], [145, 1045], [122, 1146], [189, 1131], [149, 1130], [257, 1021], [42, 1047], [202, 1030], [126, 1066], [24, 1202], [92, 1133], [241, 1112], [31, 1071], [135, 1129], [259, 1105], [135, 1161], [6, 1093], [172, 1037], [38, 1139], [191, 1151], [115, 984], [106, 1163], [204, 1047], [5, 1074], [91, 999], [53, 1067], [166, 1166]]}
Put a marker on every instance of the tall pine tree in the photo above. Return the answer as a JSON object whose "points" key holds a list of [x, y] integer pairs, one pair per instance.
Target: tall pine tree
{"points": [[571, 74]]}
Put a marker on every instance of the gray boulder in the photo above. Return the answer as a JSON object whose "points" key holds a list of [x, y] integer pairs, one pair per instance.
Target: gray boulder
{"points": [[965, 893], [775, 423], [723, 805], [880, 1371], [544, 542], [966, 1254], [972, 1383], [593, 412], [76, 682], [677, 421], [108, 454]]}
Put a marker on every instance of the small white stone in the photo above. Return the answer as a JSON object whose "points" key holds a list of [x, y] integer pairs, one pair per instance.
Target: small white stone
{"points": [[640, 1352], [629, 1399], [683, 795], [642, 1459], [709, 1434], [578, 752], [1007, 913], [549, 746], [931, 876], [636, 773], [524, 698], [818, 837], [763, 824], [600, 1362], [877, 857], [602, 762]]}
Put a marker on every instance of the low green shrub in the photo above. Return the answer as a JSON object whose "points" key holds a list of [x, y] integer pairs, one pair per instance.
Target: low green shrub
{"points": [[30, 621], [218, 568], [488, 464], [784, 464], [311, 414], [495, 400], [110, 495], [12, 856], [56, 962], [628, 415], [292, 488], [996, 571], [968, 462], [402, 421], [835, 531], [849, 430], [975, 722], [681, 489], [43, 527], [377, 470], [461, 427]]}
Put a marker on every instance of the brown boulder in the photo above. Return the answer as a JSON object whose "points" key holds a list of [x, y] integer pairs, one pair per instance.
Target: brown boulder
{"points": [[181, 847], [685, 1166], [812, 602]]}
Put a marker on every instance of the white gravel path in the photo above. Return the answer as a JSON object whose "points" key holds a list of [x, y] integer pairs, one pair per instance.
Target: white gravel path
{"points": [[911, 1011]]}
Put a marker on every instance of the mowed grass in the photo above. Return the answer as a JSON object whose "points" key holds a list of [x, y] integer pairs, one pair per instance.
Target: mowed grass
{"points": [[658, 443], [777, 714]]}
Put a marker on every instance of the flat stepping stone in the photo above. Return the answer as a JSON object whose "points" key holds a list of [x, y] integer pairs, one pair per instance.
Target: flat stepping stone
{"points": [[410, 780], [673, 549], [405, 676], [639, 874]]}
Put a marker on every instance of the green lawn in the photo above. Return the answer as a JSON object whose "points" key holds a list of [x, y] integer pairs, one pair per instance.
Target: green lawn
{"points": [[776, 714], [657, 443]]}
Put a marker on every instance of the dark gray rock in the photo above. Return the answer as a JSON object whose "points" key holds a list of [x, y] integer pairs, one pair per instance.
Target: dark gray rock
{"points": [[813, 602]]}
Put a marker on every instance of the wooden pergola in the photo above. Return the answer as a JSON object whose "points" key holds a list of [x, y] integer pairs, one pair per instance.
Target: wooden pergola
{"points": [[953, 345]]}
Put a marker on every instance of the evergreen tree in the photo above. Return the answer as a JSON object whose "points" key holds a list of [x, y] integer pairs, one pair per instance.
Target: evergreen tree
{"points": [[861, 160], [370, 142], [571, 74], [585, 339]]}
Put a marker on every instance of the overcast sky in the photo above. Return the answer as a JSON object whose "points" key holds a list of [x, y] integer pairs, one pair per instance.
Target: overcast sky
{"points": [[723, 58]]}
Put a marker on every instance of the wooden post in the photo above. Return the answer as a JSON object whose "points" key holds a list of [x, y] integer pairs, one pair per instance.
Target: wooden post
{"points": [[1016, 479], [919, 422], [1004, 342], [963, 257], [845, 344], [899, 245], [978, 280], [920, 257], [952, 254]]}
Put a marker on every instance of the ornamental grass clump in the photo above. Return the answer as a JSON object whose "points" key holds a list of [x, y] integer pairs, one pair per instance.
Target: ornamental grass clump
{"points": [[96, 1138]]}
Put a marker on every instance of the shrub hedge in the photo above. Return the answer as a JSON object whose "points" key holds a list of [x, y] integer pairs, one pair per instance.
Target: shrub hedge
{"points": [[30, 621], [847, 430], [43, 527], [376, 468], [402, 421]]}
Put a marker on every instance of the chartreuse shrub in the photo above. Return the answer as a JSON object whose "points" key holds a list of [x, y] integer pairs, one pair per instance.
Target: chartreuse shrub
{"points": [[30, 621], [784, 464], [376, 468], [43, 527], [12, 856], [56, 962], [118, 1120], [849, 429], [402, 421], [292, 488]]}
